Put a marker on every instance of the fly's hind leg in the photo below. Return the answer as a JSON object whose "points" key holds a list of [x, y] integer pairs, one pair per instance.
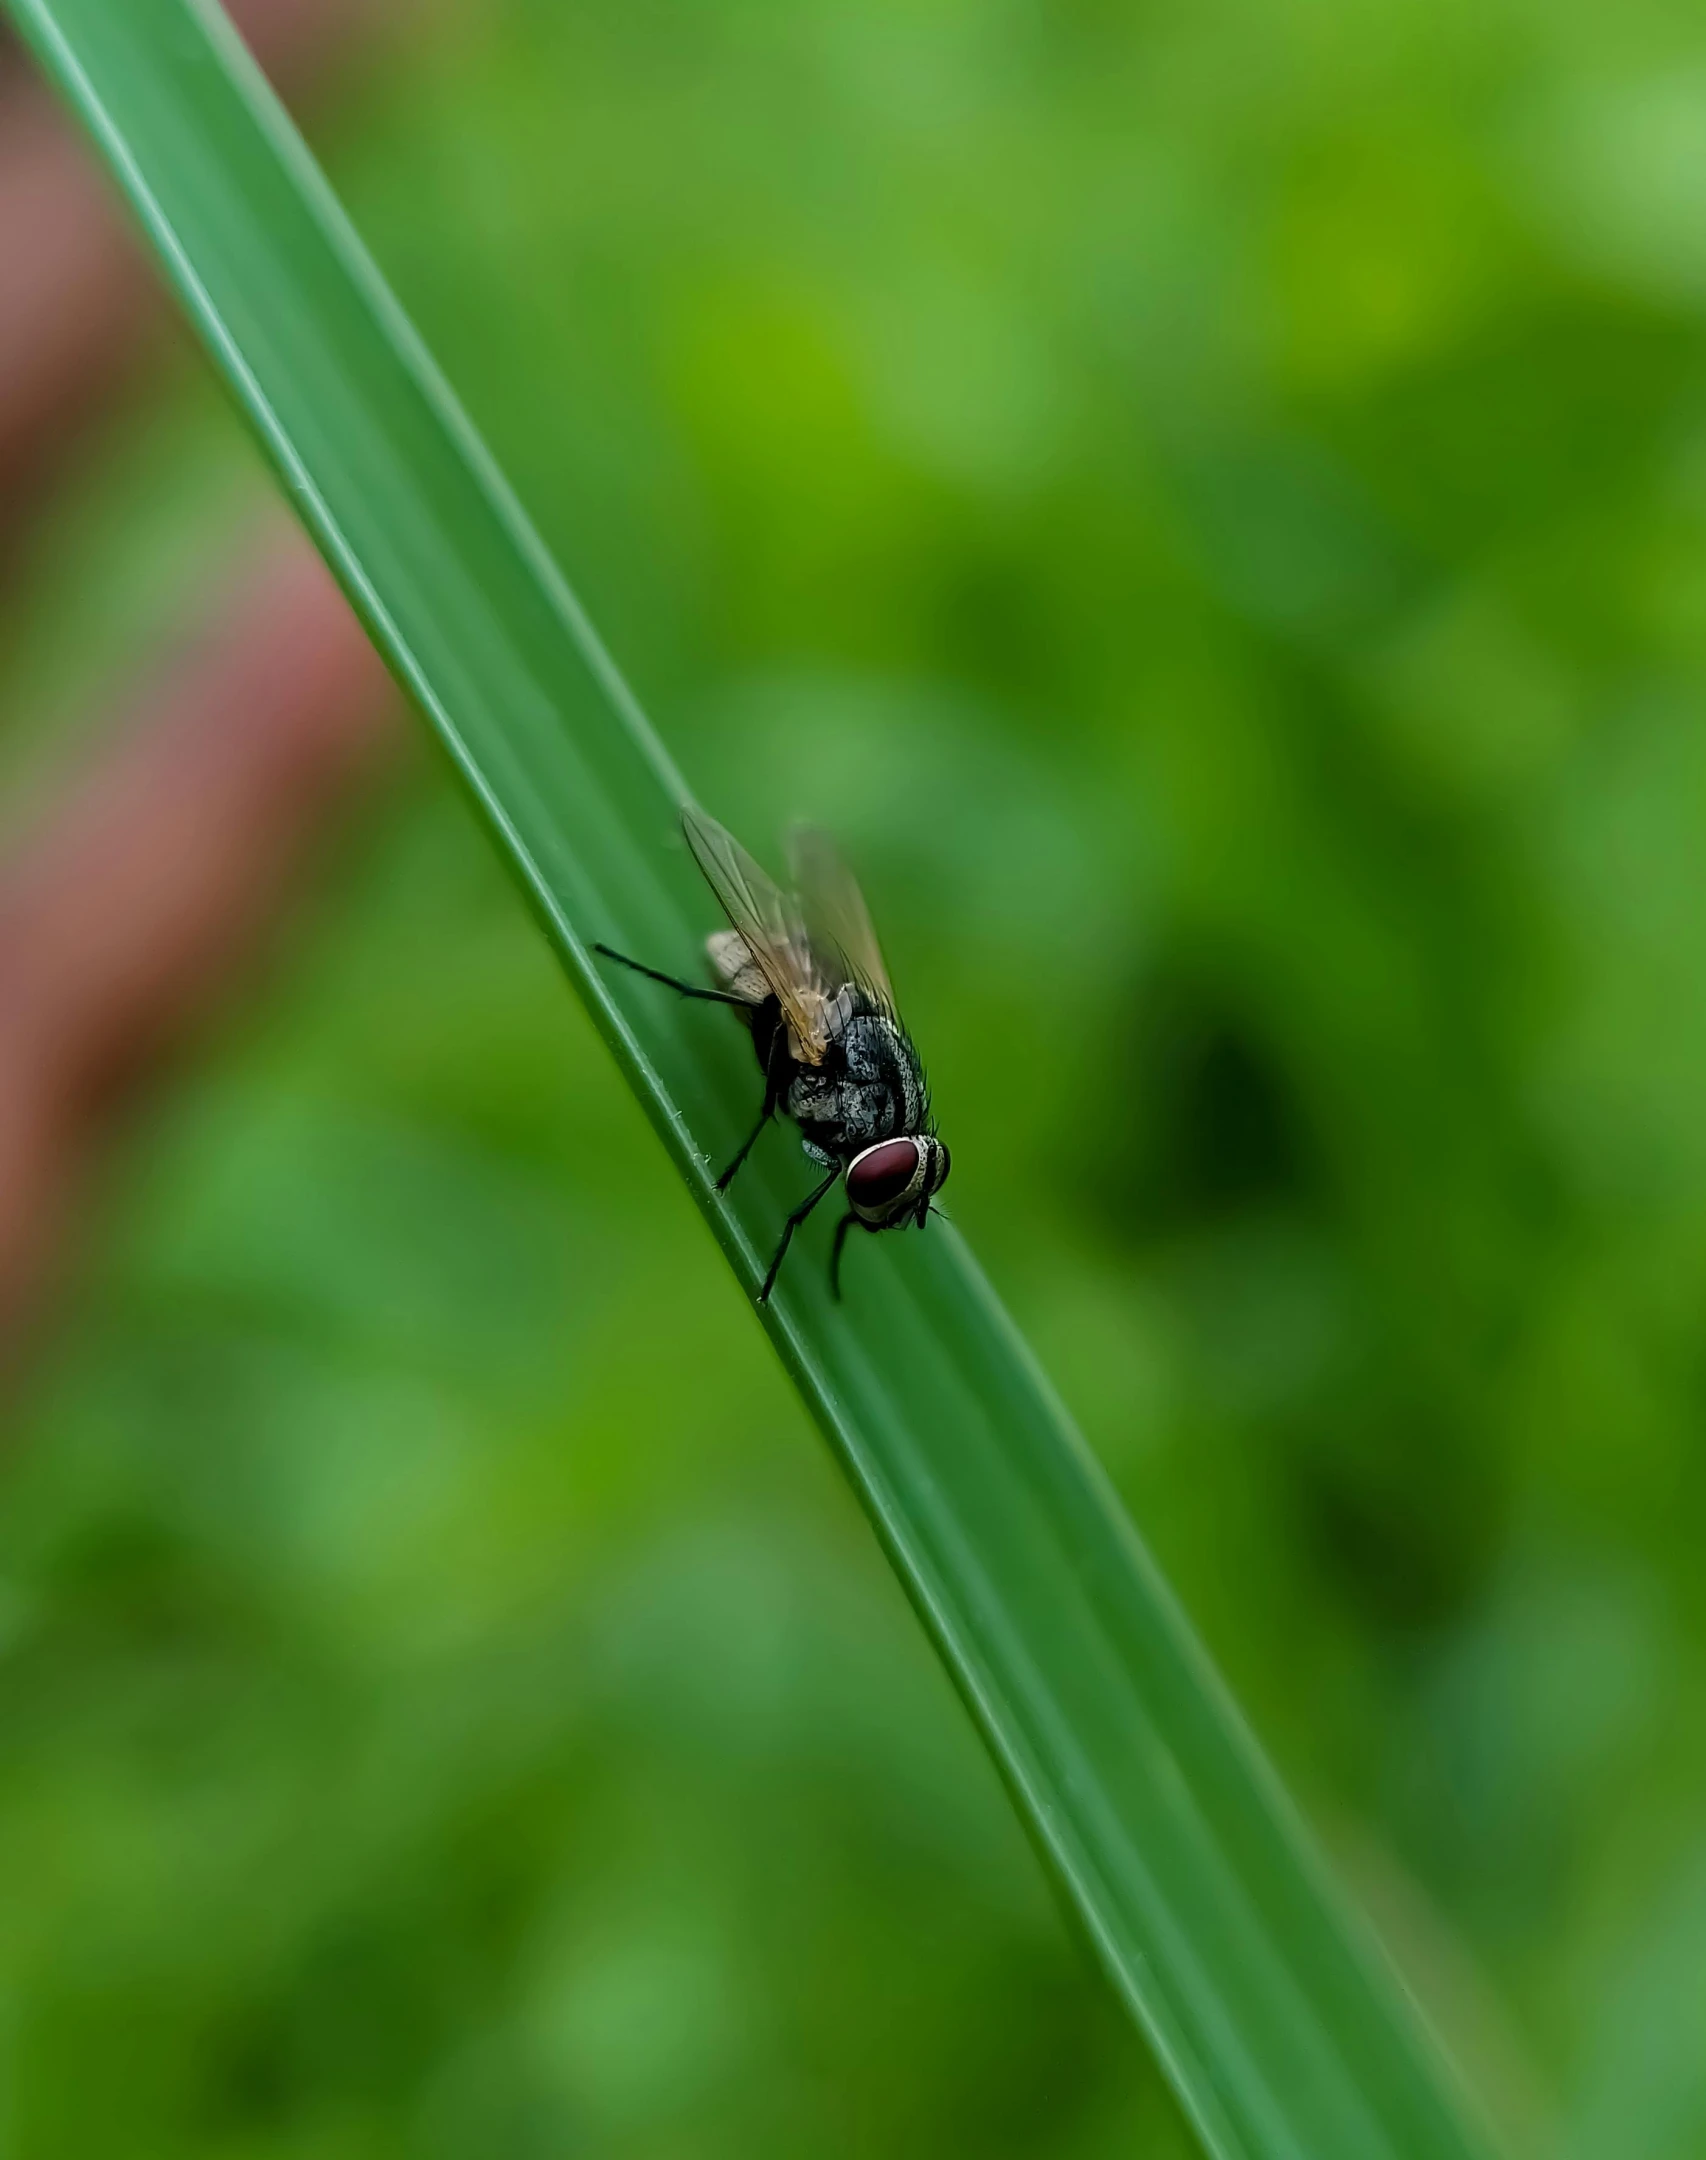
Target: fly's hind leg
{"points": [[775, 1087], [674, 982], [776, 1059]]}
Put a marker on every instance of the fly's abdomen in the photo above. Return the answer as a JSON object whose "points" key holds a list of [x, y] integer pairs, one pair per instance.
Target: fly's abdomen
{"points": [[735, 968]]}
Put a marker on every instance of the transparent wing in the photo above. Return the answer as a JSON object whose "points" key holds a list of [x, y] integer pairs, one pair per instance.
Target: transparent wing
{"points": [[771, 926], [834, 912]]}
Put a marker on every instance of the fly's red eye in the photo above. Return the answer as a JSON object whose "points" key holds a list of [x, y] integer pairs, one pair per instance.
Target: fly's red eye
{"points": [[882, 1174]]}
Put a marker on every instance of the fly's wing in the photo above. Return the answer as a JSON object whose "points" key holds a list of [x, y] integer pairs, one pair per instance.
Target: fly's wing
{"points": [[837, 921], [774, 934]]}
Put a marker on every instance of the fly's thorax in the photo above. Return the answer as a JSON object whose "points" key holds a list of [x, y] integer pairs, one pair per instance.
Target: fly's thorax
{"points": [[881, 1061], [821, 1103], [868, 1088]]}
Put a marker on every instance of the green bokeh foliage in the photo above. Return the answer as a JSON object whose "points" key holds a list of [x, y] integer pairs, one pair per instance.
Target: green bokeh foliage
{"points": [[1252, 464]]}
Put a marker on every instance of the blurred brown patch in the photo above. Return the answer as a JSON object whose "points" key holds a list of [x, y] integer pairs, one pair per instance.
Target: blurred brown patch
{"points": [[77, 299], [133, 899], [133, 902]]}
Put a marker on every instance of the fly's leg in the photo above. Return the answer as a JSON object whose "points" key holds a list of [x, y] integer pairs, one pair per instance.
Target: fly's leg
{"points": [[674, 982], [841, 1229], [775, 1087], [746, 1146], [775, 1077], [790, 1226]]}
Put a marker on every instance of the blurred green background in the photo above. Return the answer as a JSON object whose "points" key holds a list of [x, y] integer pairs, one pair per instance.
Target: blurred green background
{"points": [[1210, 504]]}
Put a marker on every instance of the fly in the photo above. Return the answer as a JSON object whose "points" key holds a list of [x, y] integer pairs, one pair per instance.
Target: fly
{"points": [[804, 971]]}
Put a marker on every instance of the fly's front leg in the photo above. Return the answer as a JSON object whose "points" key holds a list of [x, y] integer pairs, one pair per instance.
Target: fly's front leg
{"points": [[790, 1226]]}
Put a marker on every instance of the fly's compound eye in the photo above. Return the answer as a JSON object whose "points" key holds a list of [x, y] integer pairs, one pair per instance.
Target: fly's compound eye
{"points": [[882, 1176]]}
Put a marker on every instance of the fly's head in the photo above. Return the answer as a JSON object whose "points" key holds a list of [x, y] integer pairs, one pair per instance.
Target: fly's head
{"points": [[893, 1183]]}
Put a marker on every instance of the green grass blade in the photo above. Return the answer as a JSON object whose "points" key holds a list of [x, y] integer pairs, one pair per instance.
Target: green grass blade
{"points": [[1279, 2026]]}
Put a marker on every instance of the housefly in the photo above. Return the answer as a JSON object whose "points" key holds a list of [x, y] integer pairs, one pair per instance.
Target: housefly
{"points": [[805, 973]]}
